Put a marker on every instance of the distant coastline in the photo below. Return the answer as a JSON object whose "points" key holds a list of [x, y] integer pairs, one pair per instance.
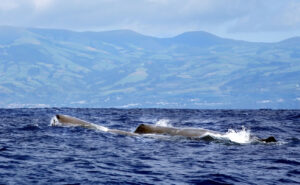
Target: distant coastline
{"points": [[125, 69]]}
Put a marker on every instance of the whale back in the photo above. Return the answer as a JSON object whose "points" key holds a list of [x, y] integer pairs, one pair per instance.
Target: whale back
{"points": [[187, 132], [150, 129], [64, 120]]}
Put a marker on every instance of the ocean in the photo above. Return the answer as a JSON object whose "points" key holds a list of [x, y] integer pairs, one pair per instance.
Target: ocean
{"points": [[33, 152]]}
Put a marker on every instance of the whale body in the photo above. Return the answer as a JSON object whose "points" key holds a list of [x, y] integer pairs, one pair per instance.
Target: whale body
{"points": [[65, 120], [187, 132]]}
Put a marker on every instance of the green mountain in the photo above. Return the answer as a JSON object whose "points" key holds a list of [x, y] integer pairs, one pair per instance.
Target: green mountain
{"points": [[122, 68]]}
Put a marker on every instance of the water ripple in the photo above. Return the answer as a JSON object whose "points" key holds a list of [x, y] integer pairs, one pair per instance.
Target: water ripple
{"points": [[32, 152]]}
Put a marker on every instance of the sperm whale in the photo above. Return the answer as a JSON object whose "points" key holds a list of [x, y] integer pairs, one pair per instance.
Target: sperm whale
{"points": [[65, 120]]}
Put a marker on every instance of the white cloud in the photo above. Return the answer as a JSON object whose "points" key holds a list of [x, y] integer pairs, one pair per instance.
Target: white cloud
{"points": [[7, 5], [280, 100], [234, 18], [41, 5], [269, 15], [264, 101]]}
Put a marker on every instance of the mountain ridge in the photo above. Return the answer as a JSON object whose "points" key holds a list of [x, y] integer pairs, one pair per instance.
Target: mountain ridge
{"points": [[122, 68], [120, 31]]}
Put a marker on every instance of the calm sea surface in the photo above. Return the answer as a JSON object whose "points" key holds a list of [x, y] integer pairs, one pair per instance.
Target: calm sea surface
{"points": [[32, 152]]}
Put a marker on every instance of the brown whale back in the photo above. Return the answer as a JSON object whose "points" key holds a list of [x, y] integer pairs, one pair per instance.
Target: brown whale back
{"points": [[71, 121], [148, 129], [152, 129], [68, 120], [141, 129]]}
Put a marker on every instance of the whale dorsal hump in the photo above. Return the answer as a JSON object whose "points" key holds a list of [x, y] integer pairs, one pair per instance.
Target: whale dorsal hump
{"points": [[141, 129]]}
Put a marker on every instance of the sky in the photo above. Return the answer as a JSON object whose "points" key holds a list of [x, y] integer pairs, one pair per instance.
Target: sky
{"points": [[250, 20]]}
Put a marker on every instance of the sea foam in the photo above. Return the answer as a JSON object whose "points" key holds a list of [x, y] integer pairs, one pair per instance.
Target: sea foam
{"points": [[240, 136], [163, 123]]}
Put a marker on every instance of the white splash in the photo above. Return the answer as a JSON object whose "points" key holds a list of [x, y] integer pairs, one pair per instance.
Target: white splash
{"points": [[241, 136], [163, 123], [101, 128], [54, 122]]}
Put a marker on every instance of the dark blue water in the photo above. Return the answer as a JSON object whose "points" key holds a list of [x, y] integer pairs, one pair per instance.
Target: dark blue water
{"points": [[32, 152]]}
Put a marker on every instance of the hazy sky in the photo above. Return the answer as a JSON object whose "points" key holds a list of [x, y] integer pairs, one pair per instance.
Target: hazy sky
{"points": [[253, 20]]}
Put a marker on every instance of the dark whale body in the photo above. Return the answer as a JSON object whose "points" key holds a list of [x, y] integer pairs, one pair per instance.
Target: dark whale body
{"points": [[187, 132], [64, 120], [269, 139]]}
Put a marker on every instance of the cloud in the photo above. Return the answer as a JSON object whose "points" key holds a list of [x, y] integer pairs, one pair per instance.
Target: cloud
{"points": [[268, 16], [157, 17], [41, 5], [7, 5]]}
